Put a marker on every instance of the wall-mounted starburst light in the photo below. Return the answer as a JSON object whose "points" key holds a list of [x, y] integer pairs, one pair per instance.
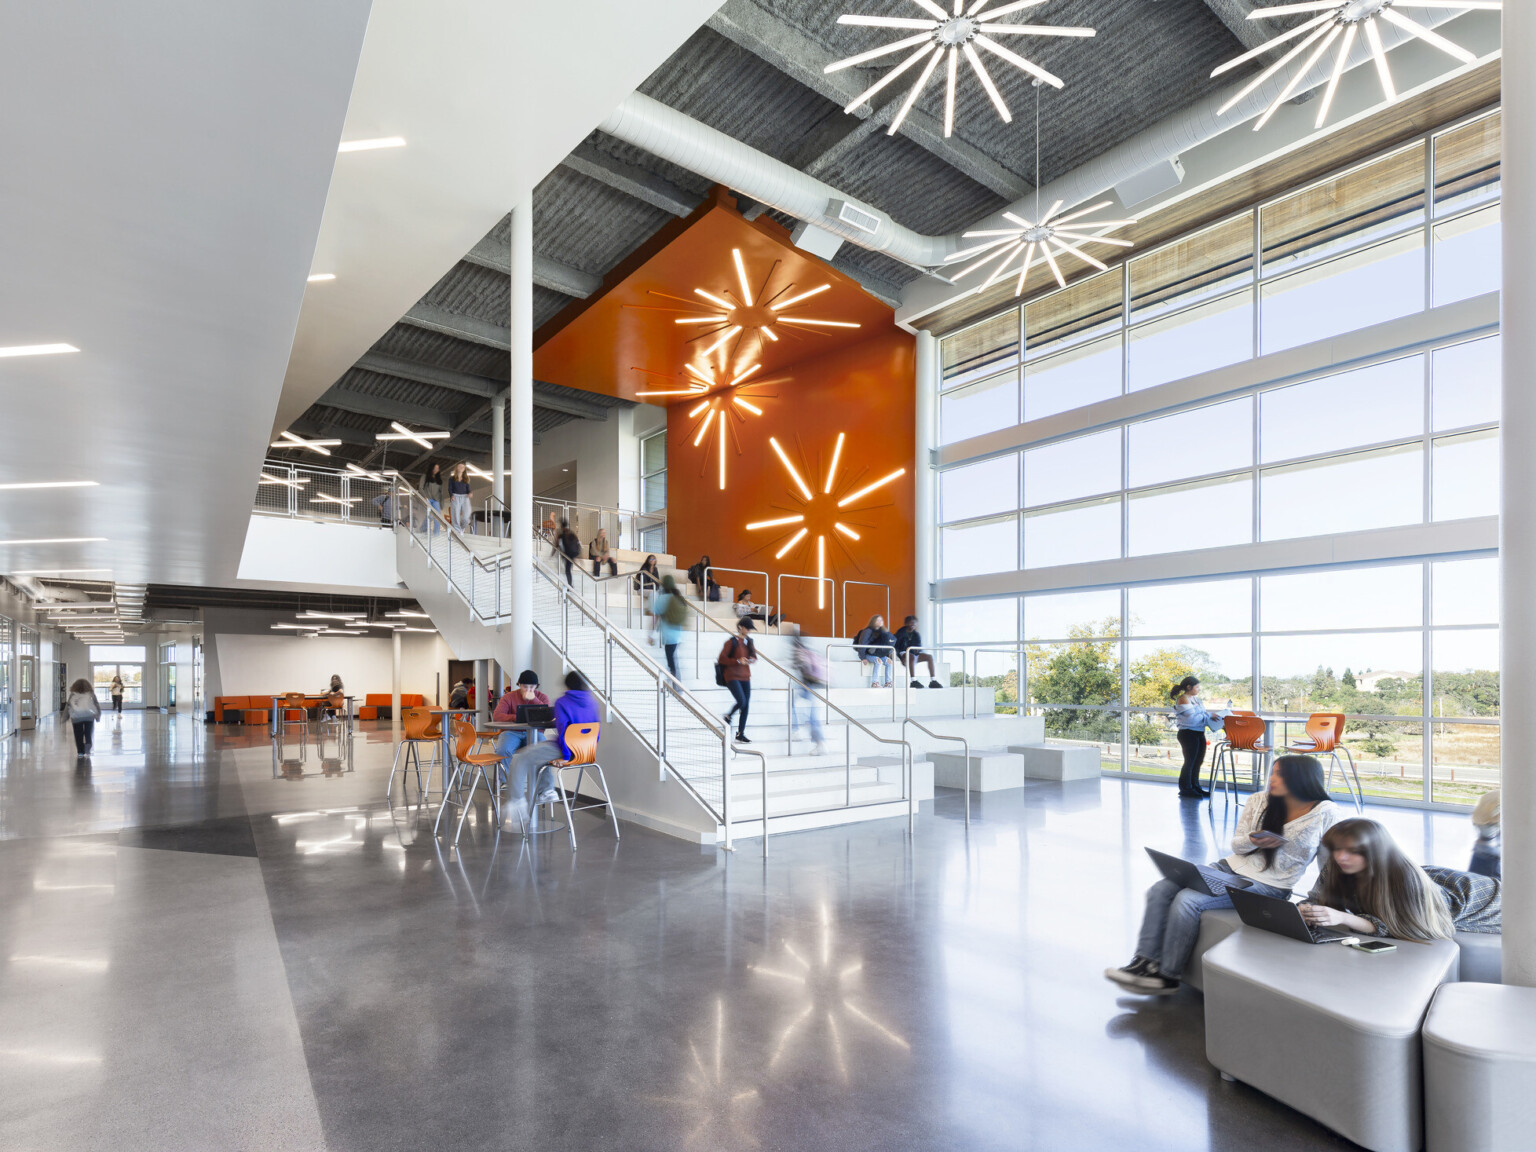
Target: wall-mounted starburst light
{"points": [[944, 37], [1339, 22], [739, 314], [823, 514], [695, 380], [721, 416], [1065, 234]]}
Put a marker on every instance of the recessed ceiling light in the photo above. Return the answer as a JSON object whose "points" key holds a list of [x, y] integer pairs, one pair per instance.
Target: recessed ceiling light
{"points": [[59, 540], [50, 484], [37, 349], [319, 276], [370, 145]]}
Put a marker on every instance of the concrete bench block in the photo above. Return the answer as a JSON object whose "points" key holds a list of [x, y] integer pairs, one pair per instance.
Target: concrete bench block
{"points": [[1058, 761], [1215, 926], [1482, 957], [991, 769], [1480, 1068], [1330, 1031]]}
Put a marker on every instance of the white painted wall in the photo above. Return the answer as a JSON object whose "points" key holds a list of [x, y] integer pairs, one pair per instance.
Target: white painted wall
{"points": [[606, 454], [251, 665]]}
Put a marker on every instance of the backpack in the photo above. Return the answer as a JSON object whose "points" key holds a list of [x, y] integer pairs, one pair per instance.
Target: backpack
{"points": [[714, 591], [675, 612], [810, 665]]}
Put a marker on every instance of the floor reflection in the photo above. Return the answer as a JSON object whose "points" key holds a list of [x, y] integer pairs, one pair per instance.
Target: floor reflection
{"points": [[717, 1109], [820, 980]]}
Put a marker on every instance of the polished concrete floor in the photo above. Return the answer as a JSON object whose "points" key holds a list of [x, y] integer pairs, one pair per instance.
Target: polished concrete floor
{"points": [[202, 950]]}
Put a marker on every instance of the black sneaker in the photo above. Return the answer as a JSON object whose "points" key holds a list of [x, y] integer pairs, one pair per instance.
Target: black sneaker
{"points": [[934, 684], [741, 738], [917, 683], [1126, 977]]}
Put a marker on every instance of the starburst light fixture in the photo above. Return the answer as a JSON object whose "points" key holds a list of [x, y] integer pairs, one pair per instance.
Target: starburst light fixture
{"points": [[738, 315], [1025, 240], [718, 414], [822, 514], [1340, 22], [946, 36]]}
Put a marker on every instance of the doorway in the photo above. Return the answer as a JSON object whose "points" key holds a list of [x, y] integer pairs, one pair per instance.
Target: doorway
{"points": [[133, 683]]}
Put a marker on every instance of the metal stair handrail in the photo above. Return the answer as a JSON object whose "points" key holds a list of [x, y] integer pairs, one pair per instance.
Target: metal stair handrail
{"points": [[434, 525]]}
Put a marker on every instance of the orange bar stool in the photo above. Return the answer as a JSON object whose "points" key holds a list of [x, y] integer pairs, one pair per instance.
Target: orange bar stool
{"points": [[471, 769], [582, 740], [294, 713], [1325, 736], [415, 723], [1244, 732]]}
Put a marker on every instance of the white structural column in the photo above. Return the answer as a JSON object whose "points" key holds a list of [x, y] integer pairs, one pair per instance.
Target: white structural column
{"points": [[394, 679], [499, 448], [520, 397], [1517, 521], [926, 506]]}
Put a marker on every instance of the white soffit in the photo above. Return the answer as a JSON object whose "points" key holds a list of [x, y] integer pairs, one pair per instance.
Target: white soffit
{"points": [[490, 96], [163, 172]]}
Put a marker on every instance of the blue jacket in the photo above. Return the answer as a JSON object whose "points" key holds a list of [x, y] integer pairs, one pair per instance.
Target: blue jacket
{"points": [[1194, 717], [574, 708]]}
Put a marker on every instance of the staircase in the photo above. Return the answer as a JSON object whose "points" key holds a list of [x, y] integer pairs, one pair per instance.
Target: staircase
{"points": [[668, 754]]}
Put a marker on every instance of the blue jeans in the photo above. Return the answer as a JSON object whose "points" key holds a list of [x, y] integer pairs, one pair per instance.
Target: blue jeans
{"points": [[1171, 923], [506, 744], [877, 663], [799, 692], [526, 766]]}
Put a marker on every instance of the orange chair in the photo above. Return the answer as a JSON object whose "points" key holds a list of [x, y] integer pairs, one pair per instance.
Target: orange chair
{"points": [[293, 712], [1244, 732], [415, 723], [473, 769], [1325, 737], [582, 740]]}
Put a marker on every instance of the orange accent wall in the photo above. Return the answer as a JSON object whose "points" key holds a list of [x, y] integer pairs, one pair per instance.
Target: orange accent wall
{"points": [[866, 391]]}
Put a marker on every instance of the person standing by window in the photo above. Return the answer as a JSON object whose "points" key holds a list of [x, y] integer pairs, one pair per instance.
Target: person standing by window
{"points": [[84, 711], [117, 692], [458, 497], [735, 661], [1191, 719]]}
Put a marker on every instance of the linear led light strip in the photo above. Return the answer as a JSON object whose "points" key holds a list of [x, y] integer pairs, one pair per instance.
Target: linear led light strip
{"points": [[401, 432], [36, 350], [947, 36], [1339, 22], [50, 484], [371, 145], [289, 440]]}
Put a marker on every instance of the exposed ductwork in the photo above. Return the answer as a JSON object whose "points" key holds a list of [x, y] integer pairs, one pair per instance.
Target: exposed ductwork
{"points": [[674, 136]]}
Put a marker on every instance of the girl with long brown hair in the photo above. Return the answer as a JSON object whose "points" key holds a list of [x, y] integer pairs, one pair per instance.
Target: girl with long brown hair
{"points": [[1366, 884]]}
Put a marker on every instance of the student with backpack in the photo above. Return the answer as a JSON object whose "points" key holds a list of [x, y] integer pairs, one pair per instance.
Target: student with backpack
{"points": [[570, 548], [671, 613], [733, 669], [84, 711]]}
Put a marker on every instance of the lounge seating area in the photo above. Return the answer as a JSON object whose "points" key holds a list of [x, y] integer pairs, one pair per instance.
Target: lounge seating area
{"points": [[258, 709]]}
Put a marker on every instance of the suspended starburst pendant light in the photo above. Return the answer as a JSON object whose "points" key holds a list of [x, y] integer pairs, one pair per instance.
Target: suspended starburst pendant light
{"points": [[1339, 23], [1044, 239], [942, 38]]}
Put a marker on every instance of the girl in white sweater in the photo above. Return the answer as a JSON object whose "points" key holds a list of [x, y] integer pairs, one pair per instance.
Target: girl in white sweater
{"points": [[84, 711]]}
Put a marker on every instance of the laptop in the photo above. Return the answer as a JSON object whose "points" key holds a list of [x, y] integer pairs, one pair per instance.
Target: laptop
{"points": [[540, 715], [1196, 877], [1283, 918]]}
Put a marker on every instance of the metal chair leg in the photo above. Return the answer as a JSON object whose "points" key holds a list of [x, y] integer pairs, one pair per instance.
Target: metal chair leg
{"points": [[389, 789], [450, 787]]}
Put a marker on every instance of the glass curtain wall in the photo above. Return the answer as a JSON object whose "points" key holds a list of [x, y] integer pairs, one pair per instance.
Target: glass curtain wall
{"points": [[1409, 650], [1406, 648], [1354, 249]]}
